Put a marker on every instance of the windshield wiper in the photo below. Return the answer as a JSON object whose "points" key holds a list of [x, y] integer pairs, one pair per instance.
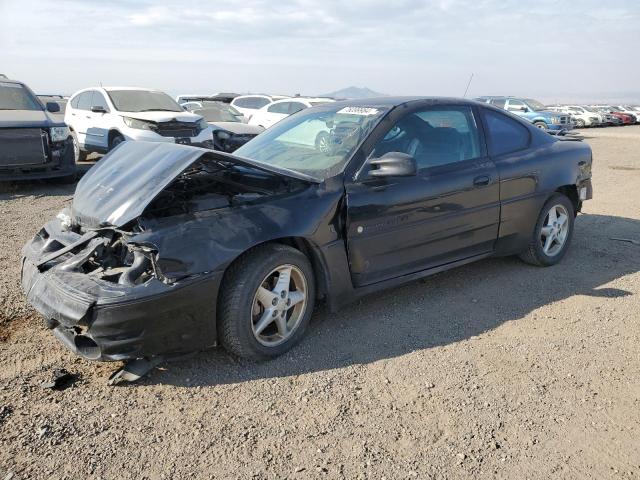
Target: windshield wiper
{"points": [[159, 110]]}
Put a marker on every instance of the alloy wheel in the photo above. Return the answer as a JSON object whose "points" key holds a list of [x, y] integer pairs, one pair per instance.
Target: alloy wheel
{"points": [[554, 231], [279, 305]]}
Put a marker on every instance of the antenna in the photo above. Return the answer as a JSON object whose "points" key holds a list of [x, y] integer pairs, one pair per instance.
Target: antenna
{"points": [[468, 83]]}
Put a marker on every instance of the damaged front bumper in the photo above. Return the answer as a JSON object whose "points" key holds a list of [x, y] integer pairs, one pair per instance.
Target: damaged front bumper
{"points": [[103, 320]]}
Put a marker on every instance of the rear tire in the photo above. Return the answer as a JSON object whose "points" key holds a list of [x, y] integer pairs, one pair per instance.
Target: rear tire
{"points": [[260, 314], [580, 123], [551, 236]]}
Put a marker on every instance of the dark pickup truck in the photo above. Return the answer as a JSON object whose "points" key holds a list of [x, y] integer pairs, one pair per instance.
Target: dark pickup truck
{"points": [[33, 145]]}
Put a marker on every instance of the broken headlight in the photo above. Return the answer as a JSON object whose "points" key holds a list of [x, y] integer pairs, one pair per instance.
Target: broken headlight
{"points": [[59, 134], [139, 124]]}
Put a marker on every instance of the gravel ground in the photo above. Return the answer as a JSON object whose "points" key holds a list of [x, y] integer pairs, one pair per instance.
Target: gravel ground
{"points": [[493, 370]]}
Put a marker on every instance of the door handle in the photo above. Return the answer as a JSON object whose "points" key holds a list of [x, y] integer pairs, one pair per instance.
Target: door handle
{"points": [[481, 181]]}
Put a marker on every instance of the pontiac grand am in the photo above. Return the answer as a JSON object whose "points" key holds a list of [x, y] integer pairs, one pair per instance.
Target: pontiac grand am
{"points": [[170, 248]]}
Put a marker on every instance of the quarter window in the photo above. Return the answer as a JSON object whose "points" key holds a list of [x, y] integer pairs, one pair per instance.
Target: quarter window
{"points": [[295, 107], [505, 134], [252, 102], [84, 100], [434, 137], [282, 107]]}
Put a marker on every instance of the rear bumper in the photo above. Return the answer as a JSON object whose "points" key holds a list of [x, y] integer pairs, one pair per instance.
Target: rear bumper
{"points": [[62, 164], [102, 321]]}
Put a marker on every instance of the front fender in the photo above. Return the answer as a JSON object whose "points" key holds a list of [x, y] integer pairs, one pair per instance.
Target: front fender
{"points": [[211, 240]]}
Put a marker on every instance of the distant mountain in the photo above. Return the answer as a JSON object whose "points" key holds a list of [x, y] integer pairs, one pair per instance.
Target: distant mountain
{"points": [[354, 92]]}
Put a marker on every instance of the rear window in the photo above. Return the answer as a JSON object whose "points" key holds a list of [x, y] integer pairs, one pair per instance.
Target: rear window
{"points": [[505, 134], [13, 96], [252, 102]]}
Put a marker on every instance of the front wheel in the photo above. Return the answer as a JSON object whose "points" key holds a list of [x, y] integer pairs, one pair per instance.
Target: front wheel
{"points": [[79, 155], [580, 123], [552, 233], [266, 301], [540, 125], [115, 141]]}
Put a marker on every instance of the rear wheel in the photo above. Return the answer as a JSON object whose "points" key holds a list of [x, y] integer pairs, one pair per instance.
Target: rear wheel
{"points": [[266, 301], [552, 233], [580, 123]]}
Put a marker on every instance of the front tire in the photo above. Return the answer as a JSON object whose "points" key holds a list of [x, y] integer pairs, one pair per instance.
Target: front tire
{"points": [[79, 155], [552, 233], [115, 141], [266, 301], [540, 125]]}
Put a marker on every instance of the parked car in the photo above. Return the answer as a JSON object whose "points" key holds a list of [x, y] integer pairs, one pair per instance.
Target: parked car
{"points": [[33, 143], [625, 118], [101, 118], [531, 110], [229, 132], [276, 111], [629, 111], [193, 106], [582, 117], [171, 248], [250, 104], [610, 120]]}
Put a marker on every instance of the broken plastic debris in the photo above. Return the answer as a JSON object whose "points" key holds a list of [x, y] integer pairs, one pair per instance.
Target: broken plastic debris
{"points": [[134, 370]]}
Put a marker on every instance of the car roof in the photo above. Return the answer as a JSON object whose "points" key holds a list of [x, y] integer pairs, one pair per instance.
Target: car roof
{"points": [[396, 101], [9, 80]]}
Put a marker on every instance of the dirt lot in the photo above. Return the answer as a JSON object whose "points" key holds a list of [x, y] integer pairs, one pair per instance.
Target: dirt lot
{"points": [[493, 370]]}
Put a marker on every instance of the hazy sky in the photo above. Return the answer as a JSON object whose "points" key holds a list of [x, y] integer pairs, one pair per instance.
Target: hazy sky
{"points": [[550, 49]]}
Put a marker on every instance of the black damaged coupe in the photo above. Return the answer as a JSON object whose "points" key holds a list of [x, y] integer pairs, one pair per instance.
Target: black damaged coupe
{"points": [[170, 248]]}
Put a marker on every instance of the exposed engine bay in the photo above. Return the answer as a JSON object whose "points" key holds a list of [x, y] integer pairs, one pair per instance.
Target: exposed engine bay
{"points": [[113, 255], [211, 184]]}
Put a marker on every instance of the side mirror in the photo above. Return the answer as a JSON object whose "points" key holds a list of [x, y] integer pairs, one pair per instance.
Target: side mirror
{"points": [[523, 109], [53, 107], [393, 164], [98, 109]]}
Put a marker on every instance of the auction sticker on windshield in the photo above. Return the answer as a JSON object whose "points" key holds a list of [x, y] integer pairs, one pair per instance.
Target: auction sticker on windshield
{"points": [[359, 111]]}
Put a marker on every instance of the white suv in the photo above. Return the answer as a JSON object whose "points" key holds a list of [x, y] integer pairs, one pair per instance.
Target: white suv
{"points": [[250, 104], [276, 111], [102, 117]]}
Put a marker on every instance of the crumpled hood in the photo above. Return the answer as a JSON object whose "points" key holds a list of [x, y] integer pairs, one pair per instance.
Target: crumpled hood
{"points": [[25, 118], [238, 128], [120, 186], [163, 116]]}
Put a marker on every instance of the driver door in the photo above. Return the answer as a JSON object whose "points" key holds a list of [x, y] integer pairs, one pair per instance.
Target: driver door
{"points": [[449, 211]]}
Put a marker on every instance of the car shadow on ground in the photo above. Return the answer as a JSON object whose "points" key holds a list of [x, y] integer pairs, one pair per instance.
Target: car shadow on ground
{"points": [[440, 310], [41, 188]]}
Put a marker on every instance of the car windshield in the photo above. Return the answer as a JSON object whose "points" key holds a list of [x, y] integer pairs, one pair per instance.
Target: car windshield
{"points": [[14, 96], [535, 105], [143, 101], [317, 142], [216, 115], [613, 109]]}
